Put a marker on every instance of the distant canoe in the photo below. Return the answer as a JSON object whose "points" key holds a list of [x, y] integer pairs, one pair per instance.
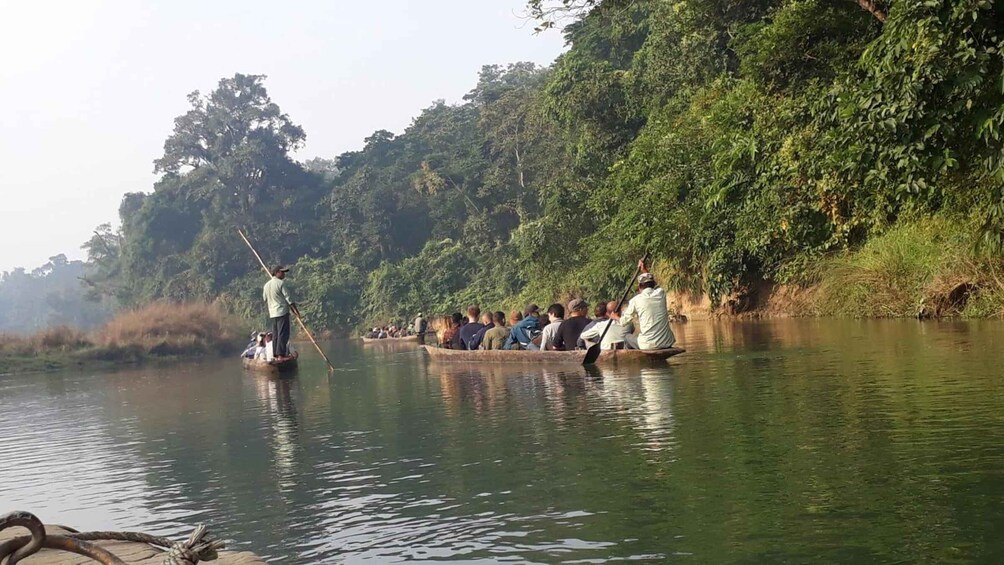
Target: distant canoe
{"points": [[275, 368], [550, 357], [410, 338]]}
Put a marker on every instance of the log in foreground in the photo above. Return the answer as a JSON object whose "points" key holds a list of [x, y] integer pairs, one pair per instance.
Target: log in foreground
{"points": [[550, 357], [58, 545]]}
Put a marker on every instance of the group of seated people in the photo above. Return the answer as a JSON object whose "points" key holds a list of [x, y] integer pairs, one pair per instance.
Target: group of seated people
{"points": [[384, 332], [261, 346], [569, 328]]}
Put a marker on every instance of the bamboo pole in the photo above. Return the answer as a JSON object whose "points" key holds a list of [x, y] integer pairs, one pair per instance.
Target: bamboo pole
{"points": [[295, 310]]}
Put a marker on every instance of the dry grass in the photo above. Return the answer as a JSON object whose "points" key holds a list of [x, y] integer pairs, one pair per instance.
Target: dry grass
{"points": [[159, 329], [165, 328], [58, 338]]}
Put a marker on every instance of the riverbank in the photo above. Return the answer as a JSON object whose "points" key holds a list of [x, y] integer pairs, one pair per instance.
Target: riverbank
{"points": [[158, 333], [932, 268]]}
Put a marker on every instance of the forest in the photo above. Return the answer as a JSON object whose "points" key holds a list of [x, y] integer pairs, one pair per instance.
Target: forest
{"points": [[849, 147], [50, 295]]}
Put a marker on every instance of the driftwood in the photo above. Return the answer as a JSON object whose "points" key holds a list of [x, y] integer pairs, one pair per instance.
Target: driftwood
{"points": [[59, 545]]}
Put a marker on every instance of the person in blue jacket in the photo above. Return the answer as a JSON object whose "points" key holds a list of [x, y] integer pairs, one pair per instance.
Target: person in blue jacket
{"points": [[522, 334]]}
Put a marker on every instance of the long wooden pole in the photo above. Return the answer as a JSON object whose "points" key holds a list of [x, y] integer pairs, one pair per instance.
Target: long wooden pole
{"points": [[295, 310]]}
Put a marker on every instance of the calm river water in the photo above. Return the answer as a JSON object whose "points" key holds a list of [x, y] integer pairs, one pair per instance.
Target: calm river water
{"points": [[793, 441]]}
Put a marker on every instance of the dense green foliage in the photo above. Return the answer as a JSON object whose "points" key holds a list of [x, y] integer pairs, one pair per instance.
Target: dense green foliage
{"points": [[738, 141]]}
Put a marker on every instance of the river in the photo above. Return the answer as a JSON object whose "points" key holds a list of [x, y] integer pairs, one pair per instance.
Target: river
{"points": [[795, 441]]}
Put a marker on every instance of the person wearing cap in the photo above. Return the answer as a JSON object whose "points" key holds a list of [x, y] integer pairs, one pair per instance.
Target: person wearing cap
{"points": [[276, 295], [556, 314], [522, 334], [649, 305], [567, 337]]}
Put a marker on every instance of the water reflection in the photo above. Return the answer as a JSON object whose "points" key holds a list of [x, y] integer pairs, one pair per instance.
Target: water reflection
{"points": [[768, 441], [274, 393], [484, 387]]}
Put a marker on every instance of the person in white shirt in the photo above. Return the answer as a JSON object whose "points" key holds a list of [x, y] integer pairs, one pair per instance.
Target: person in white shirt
{"points": [[618, 336], [556, 314], [653, 315], [266, 351]]}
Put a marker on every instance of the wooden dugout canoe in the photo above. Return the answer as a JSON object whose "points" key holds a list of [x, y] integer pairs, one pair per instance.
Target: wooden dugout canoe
{"points": [[550, 357], [275, 368], [410, 338]]}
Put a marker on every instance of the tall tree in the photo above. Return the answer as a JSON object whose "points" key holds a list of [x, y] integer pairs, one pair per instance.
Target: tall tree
{"points": [[235, 143]]}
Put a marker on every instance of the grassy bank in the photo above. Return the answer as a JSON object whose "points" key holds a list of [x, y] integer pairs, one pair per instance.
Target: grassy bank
{"points": [[935, 267], [930, 268], [160, 331]]}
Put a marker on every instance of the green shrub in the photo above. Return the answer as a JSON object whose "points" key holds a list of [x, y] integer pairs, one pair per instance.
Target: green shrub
{"points": [[930, 267]]}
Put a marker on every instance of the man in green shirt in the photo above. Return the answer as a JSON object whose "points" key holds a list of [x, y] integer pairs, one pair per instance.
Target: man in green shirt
{"points": [[495, 337], [280, 304]]}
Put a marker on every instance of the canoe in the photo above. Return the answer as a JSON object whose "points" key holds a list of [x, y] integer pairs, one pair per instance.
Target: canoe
{"points": [[410, 338], [549, 357], [638, 355], [274, 368]]}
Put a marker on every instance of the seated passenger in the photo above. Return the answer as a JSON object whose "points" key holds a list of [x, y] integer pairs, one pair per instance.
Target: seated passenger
{"points": [[556, 315], [599, 315], [617, 337], [567, 336], [487, 323], [515, 317], [496, 336], [472, 327], [523, 332], [459, 321], [256, 340], [265, 352], [451, 335]]}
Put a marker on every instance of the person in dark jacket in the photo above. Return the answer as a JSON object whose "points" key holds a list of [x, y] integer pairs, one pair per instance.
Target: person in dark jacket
{"points": [[458, 322], [521, 335], [567, 337], [472, 327], [487, 323]]}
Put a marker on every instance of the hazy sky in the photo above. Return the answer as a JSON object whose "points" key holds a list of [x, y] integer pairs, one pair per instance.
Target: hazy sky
{"points": [[90, 88]]}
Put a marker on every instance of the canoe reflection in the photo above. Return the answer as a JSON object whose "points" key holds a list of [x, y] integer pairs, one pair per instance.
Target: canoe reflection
{"points": [[638, 399], [484, 387], [275, 394]]}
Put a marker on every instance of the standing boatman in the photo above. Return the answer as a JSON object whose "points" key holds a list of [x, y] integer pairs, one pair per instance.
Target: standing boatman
{"points": [[280, 304], [419, 326], [653, 315]]}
